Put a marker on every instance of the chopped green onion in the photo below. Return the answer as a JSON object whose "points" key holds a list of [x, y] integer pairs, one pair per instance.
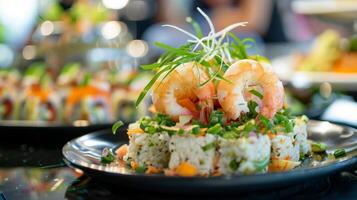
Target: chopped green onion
{"points": [[116, 126], [318, 147], [209, 146], [256, 93], [233, 165], [215, 130], [230, 135], [195, 130], [180, 131], [216, 117], [150, 130], [339, 153], [140, 169], [107, 156]]}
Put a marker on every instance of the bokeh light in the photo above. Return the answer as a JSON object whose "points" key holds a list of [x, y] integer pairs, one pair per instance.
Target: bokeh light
{"points": [[47, 28], [29, 52], [111, 30], [137, 48], [115, 4]]}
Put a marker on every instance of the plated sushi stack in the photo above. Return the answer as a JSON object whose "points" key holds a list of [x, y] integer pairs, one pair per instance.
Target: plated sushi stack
{"points": [[218, 111], [188, 149]]}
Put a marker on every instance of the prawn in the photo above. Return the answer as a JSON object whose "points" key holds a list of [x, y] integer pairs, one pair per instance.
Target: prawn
{"points": [[243, 76], [180, 93]]}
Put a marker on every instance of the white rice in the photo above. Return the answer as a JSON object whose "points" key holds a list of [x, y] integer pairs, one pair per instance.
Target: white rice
{"points": [[149, 149], [245, 152], [300, 129], [189, 149], [283, 148]]}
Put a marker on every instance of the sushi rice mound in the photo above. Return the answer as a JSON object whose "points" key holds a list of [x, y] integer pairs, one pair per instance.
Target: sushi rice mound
{"points": [[189, 150]]}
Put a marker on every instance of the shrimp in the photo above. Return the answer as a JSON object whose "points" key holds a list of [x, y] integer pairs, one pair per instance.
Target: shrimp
{"points": [[180, 94], [245, 75]]}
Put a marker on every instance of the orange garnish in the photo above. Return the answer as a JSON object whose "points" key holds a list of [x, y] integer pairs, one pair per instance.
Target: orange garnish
{"points": [[153, 170], [134, 165], [186, 169]]}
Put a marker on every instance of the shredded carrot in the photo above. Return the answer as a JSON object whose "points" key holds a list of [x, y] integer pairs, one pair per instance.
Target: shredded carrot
{"points": [[134, 165], [202, 132], [37, 91], [186, 169], [288, 157], [153, 170], [78, 93], [169, 172], [271, 135], [122, 151], [134, 131]]}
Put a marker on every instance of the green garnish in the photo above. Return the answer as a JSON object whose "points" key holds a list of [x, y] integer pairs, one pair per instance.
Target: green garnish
{"points": [[141, 169], [216, 117], [209, 146], [339, 153], [233, 165], [283, 118], [116, 125], [180, 131], [163, 119], [261, 164], [107, 156], [318, 147], [86, 79], [195, 130], [256, 93], [230, 135], [215, 130]]}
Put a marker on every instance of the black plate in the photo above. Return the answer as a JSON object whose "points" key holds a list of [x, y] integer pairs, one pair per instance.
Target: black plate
{"points": [[84, 153]]}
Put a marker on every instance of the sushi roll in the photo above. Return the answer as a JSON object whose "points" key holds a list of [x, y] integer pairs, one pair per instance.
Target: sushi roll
{"points": [[40, 104], [123, 105], [88, 103], [147, 149], [69, 75], [245, 155], [284, 148], [8, 103], [196, 151], [300, 130]]}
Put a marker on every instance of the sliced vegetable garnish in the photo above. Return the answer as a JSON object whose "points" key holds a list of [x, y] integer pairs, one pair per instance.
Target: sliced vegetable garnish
{"points": [[116, 126], [209, 146], [318, 147], [338, 153], [141, 169], [233, 165], [256, 93], [215, 130], [107, 156]]}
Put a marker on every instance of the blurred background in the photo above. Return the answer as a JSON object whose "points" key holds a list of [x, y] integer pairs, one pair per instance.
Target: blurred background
{"points": [[77, 61]]}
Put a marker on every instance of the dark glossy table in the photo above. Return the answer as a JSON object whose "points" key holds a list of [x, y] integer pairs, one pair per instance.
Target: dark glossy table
{"points": [[29, 171]]}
